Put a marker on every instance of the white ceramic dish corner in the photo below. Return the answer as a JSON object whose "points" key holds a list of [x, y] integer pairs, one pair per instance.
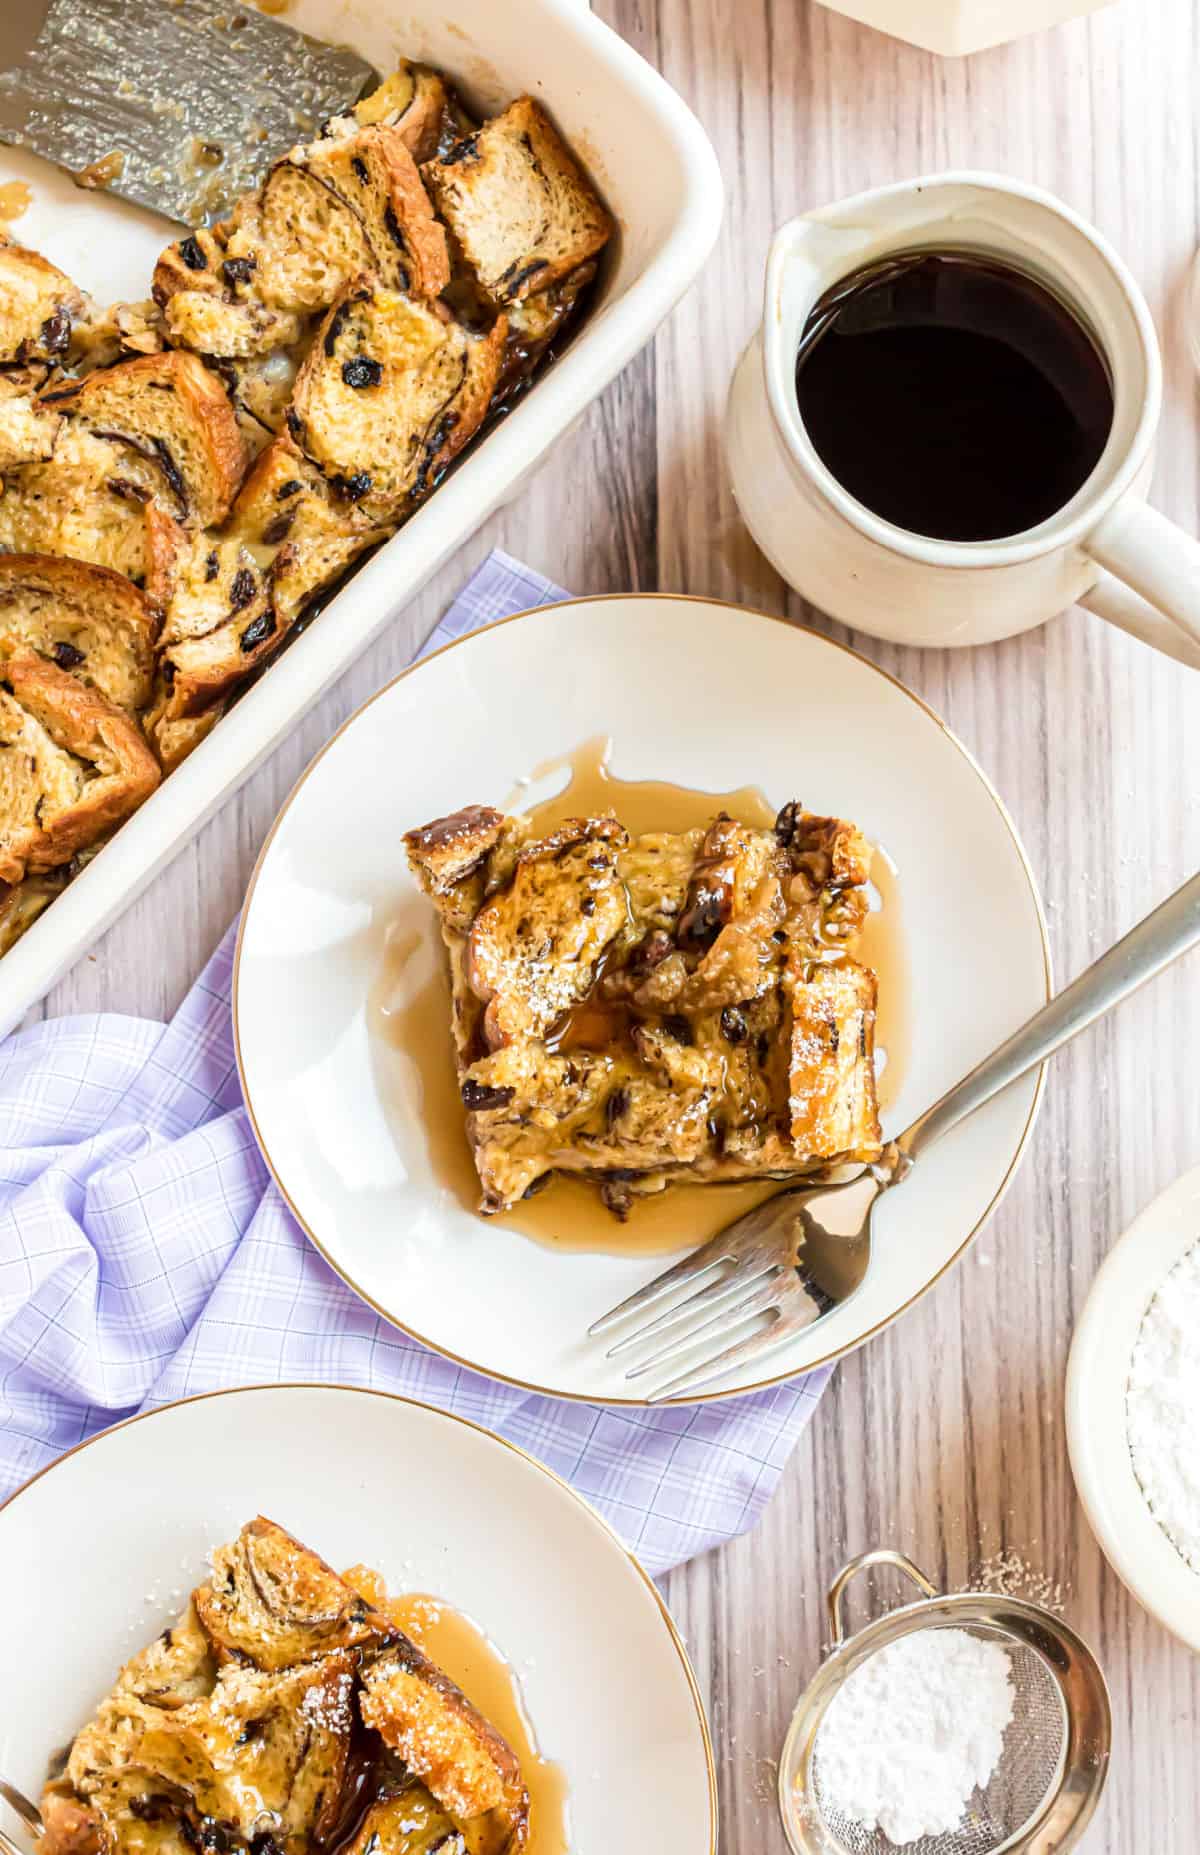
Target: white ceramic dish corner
{"points": [[660, 176], [606, 1684], [1097, 1375]]}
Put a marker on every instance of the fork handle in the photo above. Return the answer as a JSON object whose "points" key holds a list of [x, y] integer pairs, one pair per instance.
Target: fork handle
{"points": [[1172, 929]]}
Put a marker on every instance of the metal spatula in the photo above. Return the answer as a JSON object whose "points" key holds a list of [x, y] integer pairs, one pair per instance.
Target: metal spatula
{"points": [[176, 104]]}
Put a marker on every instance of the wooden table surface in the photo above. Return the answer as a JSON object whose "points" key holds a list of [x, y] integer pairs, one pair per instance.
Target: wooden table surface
{"points": [[945, 1437]]}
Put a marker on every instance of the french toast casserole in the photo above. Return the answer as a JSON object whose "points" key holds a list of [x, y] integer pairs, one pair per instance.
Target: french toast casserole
{"points": [[645, 1010], [183, 479], [284, 1714]]}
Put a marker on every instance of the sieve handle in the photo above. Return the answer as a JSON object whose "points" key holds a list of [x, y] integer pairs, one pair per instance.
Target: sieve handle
{"points": [[882, 1555]]}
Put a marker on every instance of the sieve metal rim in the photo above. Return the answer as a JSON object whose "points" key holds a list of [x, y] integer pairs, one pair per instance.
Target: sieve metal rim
{"points": [[1078, 1678]]}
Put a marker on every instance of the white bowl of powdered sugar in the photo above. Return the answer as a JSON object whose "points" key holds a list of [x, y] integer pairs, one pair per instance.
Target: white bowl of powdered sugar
{"points": [[1133, 1408]]}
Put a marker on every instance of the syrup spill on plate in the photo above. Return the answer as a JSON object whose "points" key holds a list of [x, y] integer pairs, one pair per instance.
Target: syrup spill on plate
{"points": [[16, 197]]}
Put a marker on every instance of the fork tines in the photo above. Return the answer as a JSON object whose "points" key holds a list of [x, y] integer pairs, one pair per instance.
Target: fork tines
{"points": [[738, 1281]]}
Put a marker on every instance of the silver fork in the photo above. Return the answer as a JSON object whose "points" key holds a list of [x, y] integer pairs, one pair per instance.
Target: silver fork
{"points": [[28, 1812], [804, 1252]]}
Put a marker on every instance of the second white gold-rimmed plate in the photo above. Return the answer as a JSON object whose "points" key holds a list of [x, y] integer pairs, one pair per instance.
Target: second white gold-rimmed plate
{"points": [[692, 692], [105, 1545]]}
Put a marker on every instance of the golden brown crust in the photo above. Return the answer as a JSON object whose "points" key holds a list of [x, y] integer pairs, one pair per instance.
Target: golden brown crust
{"points": [[275, 1602], [174, 737], [38, 303], [442, 1739], [138, 398], [446, 852], [85, 619], [123, 452], [390, 393], [520, 207], [116, 769]]}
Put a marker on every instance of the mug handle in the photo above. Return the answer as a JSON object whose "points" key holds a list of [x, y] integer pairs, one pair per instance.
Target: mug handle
{"points": [[1152, 586]]}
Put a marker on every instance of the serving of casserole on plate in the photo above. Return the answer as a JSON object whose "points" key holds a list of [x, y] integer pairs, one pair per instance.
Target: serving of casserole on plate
{"points": [[391, 285], [353, 1667], [284, 1712], [641, 1010]]}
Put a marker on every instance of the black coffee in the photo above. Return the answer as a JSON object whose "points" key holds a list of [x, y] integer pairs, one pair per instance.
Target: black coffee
{"points": [[953, 395]]}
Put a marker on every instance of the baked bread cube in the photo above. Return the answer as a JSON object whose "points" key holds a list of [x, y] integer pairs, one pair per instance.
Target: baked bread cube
{"points": [[637, 1011], [535, 323], [445, 1743], [262, 1751], [84, 619], [209, 302], [28, 431], [153, 433], [411, 1822], [330, 210], [418, 103], [174, 737], [273, 1602], [172, 412], [522, 211], [38, 305], [119, 333], [72, 766], [389, 395], [86, 501], [229, 599]]}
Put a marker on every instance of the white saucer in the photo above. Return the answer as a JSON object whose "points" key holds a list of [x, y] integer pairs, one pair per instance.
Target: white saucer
{"points": [[105, 1545], [1097, 1375], [694, 692]]}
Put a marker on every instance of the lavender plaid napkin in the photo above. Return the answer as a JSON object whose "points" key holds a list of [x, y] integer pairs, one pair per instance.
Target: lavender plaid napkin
{"points": [[145, 1255]]}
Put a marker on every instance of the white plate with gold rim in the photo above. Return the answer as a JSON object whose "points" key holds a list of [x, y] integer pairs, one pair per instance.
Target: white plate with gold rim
{"points": [[343, 1029], [431, 1502]]}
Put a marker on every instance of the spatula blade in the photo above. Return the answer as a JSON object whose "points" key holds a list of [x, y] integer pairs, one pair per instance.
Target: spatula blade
{"points": [[176, 104]]}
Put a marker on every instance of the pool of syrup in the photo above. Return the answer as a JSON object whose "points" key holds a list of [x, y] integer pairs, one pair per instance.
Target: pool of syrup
{"points": [[568, 1214], [462, 1651]]}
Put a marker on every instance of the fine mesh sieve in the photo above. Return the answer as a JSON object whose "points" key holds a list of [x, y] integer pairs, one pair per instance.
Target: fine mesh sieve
{"points": [[1055, 1756]]}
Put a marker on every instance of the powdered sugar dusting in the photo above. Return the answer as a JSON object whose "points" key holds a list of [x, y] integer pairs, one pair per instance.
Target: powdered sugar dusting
{"points": [[913, 1732], [1006, 1574], [1163, 1406]]}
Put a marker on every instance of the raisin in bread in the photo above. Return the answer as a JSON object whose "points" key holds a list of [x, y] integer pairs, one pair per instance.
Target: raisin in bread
{"points": [[520, 208], [641, 1010]]}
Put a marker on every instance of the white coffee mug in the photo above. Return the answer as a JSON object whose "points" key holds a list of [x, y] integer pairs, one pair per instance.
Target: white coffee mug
{"points": [[895, 584]]}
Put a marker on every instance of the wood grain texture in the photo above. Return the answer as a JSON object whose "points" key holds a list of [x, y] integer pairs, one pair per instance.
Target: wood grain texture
{"points": [[945, 1437]]}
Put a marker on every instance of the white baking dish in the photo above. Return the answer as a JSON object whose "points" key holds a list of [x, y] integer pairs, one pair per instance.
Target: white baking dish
{"points": [[660, 176]]}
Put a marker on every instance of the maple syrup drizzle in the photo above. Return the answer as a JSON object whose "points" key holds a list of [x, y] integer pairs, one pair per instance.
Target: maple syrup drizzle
{"points": [[568, 1214], [16, 197]]}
